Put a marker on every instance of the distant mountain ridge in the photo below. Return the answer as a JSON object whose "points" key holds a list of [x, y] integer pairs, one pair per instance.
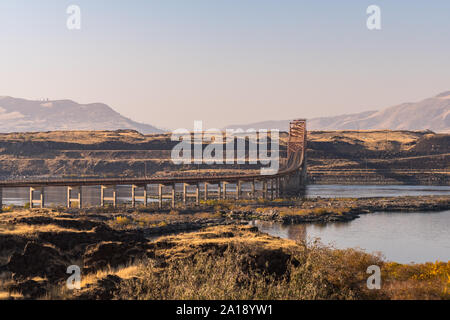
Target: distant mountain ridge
{"points": [[21, 115], [429, 114]]}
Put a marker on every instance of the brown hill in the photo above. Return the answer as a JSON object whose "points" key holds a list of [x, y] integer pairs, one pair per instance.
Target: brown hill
{"points": [[362, 156], [429, 114]]}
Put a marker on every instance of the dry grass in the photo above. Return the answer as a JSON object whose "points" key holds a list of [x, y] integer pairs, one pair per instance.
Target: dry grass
{"points": [[419, 281], [145, 220], [27, 230], [319, 275], [372, 140], [6, 295], [235, 263], [124, 272]]}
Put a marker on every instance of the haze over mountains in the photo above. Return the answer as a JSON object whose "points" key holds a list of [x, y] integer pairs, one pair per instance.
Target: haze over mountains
{"points": [[20, 115], [429, 114]]}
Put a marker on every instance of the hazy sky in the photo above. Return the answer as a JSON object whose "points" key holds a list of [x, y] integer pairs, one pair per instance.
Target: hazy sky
{"points": [[170, 62]]}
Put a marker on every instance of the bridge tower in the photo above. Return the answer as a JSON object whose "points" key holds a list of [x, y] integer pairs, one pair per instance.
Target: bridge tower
{"points": [[295, 184]]}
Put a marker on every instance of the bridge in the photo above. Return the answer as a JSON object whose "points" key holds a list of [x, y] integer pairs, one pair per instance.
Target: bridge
{"points": [[288, 181]]}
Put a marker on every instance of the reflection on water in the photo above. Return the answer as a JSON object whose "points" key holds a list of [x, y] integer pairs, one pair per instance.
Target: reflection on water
{"points": [[295, 232], [401, 237]]}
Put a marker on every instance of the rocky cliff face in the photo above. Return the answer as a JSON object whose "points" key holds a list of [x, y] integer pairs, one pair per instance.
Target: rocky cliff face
{"points": [[385, 156]]}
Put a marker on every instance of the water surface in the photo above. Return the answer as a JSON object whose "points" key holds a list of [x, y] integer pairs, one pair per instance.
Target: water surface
{"points": [[362, 191], [91, 194], [401, 237]]}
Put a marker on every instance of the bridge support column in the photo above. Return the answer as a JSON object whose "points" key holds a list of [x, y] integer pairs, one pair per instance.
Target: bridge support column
{"points": [[77, 199], [160, 186], [197, 194], [219, 191], [225, 190], [115, 196], [1, 199], [134, 197], [278, 188], [173, 195], [205, 196], [295, 184], [42, 197], [145, 196], [271, 189], [253, 194], [103, 198], [41, 200], [238, 189], [184, 193], [264, 189]]}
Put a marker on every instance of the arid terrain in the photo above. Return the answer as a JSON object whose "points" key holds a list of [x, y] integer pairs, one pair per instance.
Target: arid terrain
{"points": [[209, 251], [123, 253], [347, 157]]}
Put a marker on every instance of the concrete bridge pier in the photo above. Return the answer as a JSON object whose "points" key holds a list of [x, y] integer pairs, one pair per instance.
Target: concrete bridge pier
{"points": [[264, 189], [253, 189], [113, 198], [195, 195], [185, 185], [224, 184], [205, 195], [170, 196], [173, 195], [295, 184], [219, 191], [1, 199], [160, 187], [278, 187], [70, 199], [134, 197], [238, 189], [41, 201]]}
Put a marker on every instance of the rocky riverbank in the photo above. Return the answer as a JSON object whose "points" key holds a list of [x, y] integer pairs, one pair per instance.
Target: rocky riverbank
{"points": [[335, 210], [37, 246]]}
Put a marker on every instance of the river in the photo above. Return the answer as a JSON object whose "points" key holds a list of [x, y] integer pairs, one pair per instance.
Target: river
{"points": [[401, 237], [91, 194]]}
